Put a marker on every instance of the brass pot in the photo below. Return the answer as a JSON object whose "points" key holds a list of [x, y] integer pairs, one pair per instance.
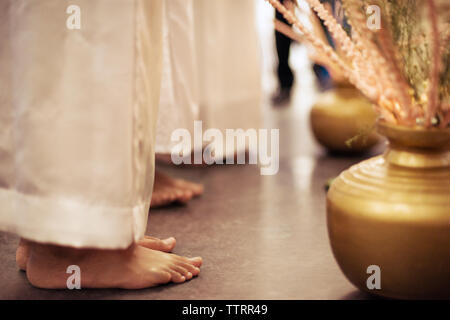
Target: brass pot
{"points": [[393, 211], [342, 121]]}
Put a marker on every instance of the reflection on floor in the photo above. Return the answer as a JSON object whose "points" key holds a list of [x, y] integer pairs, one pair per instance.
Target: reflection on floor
{"points": [[262, 238]]}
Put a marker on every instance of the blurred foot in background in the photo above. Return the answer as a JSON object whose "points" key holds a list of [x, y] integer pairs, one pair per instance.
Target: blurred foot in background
{"points": [[168, 190]]}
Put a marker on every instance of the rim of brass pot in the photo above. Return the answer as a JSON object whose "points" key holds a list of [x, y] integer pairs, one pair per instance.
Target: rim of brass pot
{"points": [[416, 147], [415, 137]]}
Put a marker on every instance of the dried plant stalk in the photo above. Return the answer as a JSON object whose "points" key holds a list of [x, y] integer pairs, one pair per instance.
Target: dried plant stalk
{"points": [[433, 94], [403, 68]]}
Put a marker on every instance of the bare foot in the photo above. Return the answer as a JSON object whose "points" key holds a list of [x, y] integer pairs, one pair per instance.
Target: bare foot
{"points": [[134, 268], [22, 254], [166, 245], [168, 190]]}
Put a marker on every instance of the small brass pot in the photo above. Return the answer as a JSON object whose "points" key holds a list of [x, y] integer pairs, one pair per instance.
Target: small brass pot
{"points": [[393, 211], [342, 121]]}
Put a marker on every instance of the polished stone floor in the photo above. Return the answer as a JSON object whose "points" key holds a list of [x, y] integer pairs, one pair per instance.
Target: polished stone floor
{"points": [[261, 237]]}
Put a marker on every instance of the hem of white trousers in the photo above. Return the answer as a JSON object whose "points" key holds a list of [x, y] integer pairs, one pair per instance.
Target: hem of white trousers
{"points": [[70, 222]]}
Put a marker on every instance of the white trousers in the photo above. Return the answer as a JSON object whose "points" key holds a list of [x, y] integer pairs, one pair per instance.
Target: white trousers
{"points": [[211, 66], [178, 106], [227, 46], [78, 110]]}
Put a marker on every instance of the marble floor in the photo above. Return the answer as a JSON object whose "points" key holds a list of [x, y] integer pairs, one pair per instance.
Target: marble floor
{"points": [[261, 237]]}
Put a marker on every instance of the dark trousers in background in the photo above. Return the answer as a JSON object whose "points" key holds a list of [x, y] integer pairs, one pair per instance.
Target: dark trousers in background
{"points": [[283, 43], [284, 71]]}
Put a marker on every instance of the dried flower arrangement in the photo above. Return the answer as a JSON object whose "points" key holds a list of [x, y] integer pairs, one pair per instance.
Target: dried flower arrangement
{"points": [[403, 67]]}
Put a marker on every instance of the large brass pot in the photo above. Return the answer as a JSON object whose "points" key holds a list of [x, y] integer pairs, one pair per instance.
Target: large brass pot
{"points": [[342, 121], [393, 211]]}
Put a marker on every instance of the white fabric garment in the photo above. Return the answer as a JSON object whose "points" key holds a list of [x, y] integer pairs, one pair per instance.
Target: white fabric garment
{"points": [[178, 106], [211, 66], [77, 118], [228, 52]]}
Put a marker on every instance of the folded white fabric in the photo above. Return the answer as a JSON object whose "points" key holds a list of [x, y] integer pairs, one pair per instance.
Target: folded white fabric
{"points": [[178, 106], [77, 119], [227, 46]]}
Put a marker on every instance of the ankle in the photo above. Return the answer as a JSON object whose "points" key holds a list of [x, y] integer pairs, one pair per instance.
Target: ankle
{"points": [[48, 265], [56, 252]]}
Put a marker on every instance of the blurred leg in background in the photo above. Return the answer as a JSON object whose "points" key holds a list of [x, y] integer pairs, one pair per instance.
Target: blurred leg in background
{"points": [[179, 101], [284, 71]]}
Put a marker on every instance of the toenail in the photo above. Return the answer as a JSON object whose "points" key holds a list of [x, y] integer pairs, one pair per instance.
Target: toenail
{"points": [[169, 241]]}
